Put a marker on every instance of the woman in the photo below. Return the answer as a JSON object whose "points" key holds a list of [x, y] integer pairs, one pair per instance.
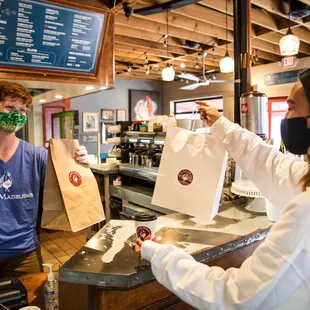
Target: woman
{"points": [[277, 275]]}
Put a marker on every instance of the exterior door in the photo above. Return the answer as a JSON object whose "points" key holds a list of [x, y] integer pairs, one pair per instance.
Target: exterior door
{"points": [[277, 108]]}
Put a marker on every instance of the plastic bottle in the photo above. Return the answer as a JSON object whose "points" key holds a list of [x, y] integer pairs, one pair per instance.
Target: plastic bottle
{"points": [[51, 290]]}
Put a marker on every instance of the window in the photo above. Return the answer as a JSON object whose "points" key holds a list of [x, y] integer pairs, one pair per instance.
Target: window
{"points": [[184, 108]]}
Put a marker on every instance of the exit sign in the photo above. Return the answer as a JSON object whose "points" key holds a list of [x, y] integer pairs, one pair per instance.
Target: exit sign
{"points": [[288, 61]]}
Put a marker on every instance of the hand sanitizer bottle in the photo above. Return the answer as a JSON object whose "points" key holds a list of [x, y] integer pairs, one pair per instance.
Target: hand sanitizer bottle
{"points": [[51, 290]]}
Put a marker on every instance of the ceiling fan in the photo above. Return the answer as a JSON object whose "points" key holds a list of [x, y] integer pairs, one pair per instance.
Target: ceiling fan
{"points": [[201, 81]]}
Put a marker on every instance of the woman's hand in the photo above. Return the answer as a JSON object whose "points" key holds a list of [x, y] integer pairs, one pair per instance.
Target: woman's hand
{"points": [[139, 242], [208, 113], [82, 156]]}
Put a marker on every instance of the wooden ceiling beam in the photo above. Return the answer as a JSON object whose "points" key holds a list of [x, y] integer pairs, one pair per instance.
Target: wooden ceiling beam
{"points": [[161, 29], [150, 36], [134, 42], [132, 54], [162, 53], [265, 19]]}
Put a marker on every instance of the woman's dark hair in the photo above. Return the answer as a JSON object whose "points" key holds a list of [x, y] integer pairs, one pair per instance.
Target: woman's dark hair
{"points": [[304, 77]]}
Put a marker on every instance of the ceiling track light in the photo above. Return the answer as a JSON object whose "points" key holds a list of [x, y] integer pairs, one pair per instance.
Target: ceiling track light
{"points": [[127, 9], [146, 59]]}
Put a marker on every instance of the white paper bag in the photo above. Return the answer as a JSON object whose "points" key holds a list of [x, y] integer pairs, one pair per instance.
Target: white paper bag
{"points": [[191, 174]]}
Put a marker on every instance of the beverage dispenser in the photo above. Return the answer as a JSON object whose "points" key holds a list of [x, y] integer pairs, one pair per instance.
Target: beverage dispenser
{"points": [[254, 114]]}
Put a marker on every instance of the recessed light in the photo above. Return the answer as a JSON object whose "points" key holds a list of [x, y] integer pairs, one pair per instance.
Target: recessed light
{"points": [[42, 100], [90, 87], [59, 96]]}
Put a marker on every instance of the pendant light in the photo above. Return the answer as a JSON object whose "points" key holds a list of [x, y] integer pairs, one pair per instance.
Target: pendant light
{"points": [[227, 64], [289, 44], [168, 72]]}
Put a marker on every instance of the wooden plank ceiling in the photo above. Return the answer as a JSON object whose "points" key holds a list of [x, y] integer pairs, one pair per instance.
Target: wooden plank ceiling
{"points": [[203, 23]]}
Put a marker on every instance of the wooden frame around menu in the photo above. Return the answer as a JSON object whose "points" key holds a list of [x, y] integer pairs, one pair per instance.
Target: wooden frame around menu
{"points": [[62, 73]]}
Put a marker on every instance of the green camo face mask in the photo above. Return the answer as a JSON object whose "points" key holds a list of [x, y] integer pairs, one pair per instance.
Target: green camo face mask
{"points": [[12, 121]]}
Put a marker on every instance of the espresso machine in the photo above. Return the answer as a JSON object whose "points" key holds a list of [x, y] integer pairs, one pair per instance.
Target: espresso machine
{"points": [[142, 149]]}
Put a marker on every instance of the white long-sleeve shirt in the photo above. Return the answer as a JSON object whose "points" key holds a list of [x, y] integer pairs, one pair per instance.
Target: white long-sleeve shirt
{"points": [[277, 275]]}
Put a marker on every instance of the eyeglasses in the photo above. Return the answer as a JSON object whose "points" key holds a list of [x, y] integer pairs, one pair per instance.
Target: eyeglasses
{"points": [[9, 107]]}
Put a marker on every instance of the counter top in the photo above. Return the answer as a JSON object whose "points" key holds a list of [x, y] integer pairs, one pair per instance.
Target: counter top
{"points": [[108, 260], [104, 170], [149, 174]]}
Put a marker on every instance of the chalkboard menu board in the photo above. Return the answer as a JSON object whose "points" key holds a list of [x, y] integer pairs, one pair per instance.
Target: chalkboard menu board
{"points": [[281, 77], [38, 34]]}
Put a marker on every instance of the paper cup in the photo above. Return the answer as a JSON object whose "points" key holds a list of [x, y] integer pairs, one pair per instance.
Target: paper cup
{"points": [[145, 225], [111, 160]]}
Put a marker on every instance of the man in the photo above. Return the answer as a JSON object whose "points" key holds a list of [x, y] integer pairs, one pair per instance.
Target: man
{"points": [[22, 172]]}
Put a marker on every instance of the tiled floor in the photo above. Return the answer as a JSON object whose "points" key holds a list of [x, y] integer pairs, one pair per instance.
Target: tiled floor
{"points": [[57, 247]]}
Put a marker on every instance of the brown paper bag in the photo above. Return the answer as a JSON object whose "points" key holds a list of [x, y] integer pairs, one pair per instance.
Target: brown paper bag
{"points": [[71, 199]]}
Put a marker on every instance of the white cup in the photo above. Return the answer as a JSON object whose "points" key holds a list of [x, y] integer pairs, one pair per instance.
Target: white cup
{"points": [[30, 308], [145, 225], [114, 129], [111, 160]]}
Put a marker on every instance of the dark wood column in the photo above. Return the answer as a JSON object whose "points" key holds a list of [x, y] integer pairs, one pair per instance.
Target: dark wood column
{"points": [[242, 47]]}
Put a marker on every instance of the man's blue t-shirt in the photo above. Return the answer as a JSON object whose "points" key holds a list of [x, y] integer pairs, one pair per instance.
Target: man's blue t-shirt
{"points": [[21, 179]]}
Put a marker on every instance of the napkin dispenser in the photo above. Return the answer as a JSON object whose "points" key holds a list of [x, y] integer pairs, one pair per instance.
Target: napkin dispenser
{"points": [[13, 294]]}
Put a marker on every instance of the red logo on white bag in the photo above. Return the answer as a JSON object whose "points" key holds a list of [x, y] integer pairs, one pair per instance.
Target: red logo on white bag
{"points": [[244, 108], [143, 232], [75, 178], [185, 177]]}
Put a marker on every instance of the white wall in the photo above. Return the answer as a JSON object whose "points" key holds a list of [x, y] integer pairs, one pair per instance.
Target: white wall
{"points": [[35, 126], [171, 91]]}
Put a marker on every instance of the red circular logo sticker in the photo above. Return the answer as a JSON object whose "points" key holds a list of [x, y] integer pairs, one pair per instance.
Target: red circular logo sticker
{"points": [[75, 178], [185, 177], [143, 232]]}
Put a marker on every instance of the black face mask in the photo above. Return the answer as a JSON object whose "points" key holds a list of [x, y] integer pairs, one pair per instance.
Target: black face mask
{"points": [[296, 135]]}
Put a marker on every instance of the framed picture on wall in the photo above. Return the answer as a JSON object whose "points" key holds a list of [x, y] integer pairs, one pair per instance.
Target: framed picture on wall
{"points": [[90, 122], [143, 104], [104, 132], [89, 138], [107, 115], [120, 115]]}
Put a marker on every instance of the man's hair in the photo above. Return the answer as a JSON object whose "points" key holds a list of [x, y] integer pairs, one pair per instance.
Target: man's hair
{"points": [[16, 91]]}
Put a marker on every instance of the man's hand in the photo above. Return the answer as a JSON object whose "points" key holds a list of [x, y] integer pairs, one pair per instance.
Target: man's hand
{"points": [[82, 156], [139, 242], [208, 113]]}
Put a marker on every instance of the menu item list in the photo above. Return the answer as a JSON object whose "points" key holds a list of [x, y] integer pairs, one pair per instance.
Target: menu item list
{"points": [[42, 35]]}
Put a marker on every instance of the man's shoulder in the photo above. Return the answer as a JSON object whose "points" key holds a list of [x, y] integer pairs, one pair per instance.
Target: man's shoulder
{"points": [[37, 151]]}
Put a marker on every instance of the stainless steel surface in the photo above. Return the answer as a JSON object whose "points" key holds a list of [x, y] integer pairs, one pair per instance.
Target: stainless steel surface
{"points": [[149, 163], [131, 158], [109, 260], [139, 195], [97, 169], [148, 174], [254, 115], [132, 209]]}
